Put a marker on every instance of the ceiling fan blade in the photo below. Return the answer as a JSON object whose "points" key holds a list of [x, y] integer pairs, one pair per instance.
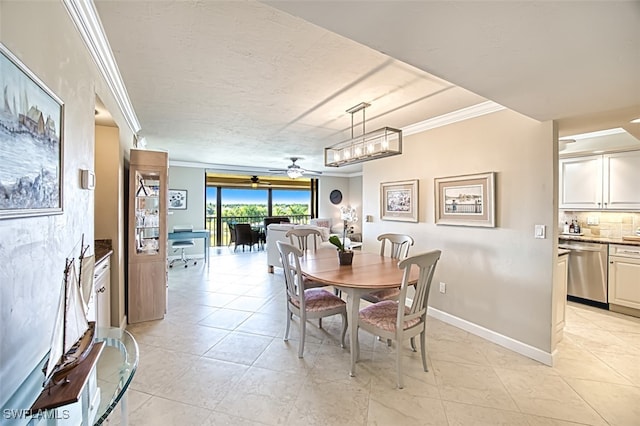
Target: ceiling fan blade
{"points": [[312, 172]]}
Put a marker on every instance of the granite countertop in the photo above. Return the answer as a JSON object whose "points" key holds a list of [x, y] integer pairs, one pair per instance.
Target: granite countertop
{"points": [[598, 239], [563, 251], [103, 249]]}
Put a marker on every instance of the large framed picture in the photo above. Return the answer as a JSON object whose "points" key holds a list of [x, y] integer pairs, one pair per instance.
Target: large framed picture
{"points": [[399, 200], [466, 200], [178, 199], [31, 148]]}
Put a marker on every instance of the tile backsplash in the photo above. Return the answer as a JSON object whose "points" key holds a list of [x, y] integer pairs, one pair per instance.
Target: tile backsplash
{"points": [[601, 223]]}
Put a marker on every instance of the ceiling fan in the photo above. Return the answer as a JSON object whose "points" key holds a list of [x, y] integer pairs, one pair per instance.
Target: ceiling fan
{"points": [[295, 171], [255, 181]]}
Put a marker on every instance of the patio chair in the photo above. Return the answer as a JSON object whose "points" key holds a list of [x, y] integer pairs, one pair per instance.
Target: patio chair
{"points": [[245, 236]]}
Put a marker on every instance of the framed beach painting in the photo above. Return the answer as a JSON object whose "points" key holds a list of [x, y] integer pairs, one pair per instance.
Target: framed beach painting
{"points": [[31, 128], [465, 200], [399, 200], [178, 199]]}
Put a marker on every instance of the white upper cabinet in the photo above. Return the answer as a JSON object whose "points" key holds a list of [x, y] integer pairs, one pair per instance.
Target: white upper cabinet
{"points": [[621, 189], [607, 181], [581, 182]]}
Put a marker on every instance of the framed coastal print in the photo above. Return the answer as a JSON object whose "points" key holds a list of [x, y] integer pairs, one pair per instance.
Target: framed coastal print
{"points": [[178, 199], [31, 129], [399, 200], [466, 200]]}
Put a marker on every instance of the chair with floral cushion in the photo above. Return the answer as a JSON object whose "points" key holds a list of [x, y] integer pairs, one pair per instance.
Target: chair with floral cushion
{"points": [[306, 303], [393, 319], [399, 245]]}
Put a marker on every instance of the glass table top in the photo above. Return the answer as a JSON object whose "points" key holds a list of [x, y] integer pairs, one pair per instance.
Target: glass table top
{"points": [[116, 366]]}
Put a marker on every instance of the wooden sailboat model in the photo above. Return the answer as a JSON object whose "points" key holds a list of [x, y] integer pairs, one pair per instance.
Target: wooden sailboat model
{"points": [[68, 349], [73, 335]]}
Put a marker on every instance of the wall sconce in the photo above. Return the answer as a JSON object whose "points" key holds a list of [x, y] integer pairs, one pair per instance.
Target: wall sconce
{"points": [[384, 142]]}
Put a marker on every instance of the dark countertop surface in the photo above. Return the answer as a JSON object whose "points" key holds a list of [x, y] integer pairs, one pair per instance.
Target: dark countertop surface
{"points": [[598, 239], [103, 250]]}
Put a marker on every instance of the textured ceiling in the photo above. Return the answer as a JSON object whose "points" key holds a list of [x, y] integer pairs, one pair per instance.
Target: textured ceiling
{"points": [[247, 84]]}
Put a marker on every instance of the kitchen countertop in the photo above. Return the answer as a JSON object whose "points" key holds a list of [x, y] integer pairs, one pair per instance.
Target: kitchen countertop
{"points": [[103, 249], [597, 239], [563, 251]]}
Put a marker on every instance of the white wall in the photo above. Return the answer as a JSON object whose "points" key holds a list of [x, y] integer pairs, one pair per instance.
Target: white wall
{"points": [[497, 278], [109, 211], [33, 250], [193, 180], [351, 189]]}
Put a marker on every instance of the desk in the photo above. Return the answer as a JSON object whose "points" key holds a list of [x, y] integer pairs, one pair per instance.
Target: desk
{"points": [[188, 235], [116, 367], [369, 272]]}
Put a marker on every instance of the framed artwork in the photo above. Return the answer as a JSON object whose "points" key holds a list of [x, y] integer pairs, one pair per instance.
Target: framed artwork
{"points": [[466, 200], [31, 129], [399, 200], [178, 199]]}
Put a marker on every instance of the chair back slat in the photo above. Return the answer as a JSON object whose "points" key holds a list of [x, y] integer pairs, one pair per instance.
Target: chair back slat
{"points": [[399, 245]]}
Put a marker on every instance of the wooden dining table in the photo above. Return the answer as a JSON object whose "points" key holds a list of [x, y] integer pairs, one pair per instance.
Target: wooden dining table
{"points": [[368, 272]]}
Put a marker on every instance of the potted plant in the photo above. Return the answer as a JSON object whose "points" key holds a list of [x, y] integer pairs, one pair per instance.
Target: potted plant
{"points": [[345, 256]]}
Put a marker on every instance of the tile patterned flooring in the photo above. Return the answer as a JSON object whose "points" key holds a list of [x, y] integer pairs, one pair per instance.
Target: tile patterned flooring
{"points": [[218, 358]]}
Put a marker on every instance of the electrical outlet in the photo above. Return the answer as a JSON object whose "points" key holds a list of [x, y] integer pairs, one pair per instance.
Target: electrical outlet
{"points": [[443, 287], [592, 220]]}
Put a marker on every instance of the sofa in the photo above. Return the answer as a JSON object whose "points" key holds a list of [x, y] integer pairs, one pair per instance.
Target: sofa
{"points": [[277, 232]]}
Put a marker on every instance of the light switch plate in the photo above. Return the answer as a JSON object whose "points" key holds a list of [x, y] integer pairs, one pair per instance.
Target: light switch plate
{"points": [[540, 231]]}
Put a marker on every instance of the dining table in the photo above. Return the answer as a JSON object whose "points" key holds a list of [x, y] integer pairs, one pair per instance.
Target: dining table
{"points": [[368, 272]]}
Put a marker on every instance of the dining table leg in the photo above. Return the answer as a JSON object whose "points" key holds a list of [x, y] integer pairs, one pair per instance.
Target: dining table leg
{"points": [[353, 308]]}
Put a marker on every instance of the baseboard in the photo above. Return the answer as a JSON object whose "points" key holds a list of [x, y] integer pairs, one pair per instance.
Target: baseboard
{"points": [[123, 323], [497, 338]]}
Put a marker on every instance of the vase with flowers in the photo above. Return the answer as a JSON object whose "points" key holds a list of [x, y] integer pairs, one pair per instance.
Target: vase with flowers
{"points": [[348, 215]]}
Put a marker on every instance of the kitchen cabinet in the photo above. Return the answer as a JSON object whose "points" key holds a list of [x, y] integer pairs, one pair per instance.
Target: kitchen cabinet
{"points": [[147, 236], [102, 288], [597, 182], [560, 295], [624, 276]]}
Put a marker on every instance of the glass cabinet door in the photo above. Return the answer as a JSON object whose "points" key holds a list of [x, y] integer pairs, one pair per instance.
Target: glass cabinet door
{"points": [[147, 213]]}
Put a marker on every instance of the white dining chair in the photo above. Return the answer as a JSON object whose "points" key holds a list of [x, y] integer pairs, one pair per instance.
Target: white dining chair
{"points": [[399, 245], [395, 320], [307, 303]]}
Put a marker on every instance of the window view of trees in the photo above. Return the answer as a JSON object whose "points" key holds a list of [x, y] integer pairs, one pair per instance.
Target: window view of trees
{"points": [[251, 205]]}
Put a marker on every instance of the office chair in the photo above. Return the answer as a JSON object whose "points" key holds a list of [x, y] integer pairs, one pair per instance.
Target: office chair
{"points": [[182, 245]]}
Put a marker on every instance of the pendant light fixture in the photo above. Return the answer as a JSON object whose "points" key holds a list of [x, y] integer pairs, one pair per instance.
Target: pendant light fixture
{"points": [[384, 142]]}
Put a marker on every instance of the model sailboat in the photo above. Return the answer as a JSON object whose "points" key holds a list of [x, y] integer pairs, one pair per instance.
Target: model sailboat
{"points": [[73, 334]]}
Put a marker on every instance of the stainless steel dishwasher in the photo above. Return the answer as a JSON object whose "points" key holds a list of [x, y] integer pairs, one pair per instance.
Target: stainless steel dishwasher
{"points": [[587, 270]]}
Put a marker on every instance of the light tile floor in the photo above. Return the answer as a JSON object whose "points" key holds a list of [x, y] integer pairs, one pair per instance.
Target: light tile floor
{"points": [[218, 358]]}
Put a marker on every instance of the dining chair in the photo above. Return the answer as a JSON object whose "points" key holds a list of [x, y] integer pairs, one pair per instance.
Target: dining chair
{"points": [[300, 237], [245, 236], [399, 245], [394, 319], [307, 303]]}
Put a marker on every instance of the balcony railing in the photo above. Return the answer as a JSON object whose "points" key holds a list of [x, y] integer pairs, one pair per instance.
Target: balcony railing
{"points": [[225, 236]]}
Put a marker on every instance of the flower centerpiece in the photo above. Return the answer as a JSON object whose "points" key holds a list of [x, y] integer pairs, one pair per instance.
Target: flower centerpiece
{"points": [[348, 215]]}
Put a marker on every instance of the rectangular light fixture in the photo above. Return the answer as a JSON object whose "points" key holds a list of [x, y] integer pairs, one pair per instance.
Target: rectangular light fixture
{"points": [[381, 143]]}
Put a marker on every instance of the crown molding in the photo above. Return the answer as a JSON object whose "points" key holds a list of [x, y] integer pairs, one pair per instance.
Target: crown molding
{"points": [[473, 111], [85, 17]]}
